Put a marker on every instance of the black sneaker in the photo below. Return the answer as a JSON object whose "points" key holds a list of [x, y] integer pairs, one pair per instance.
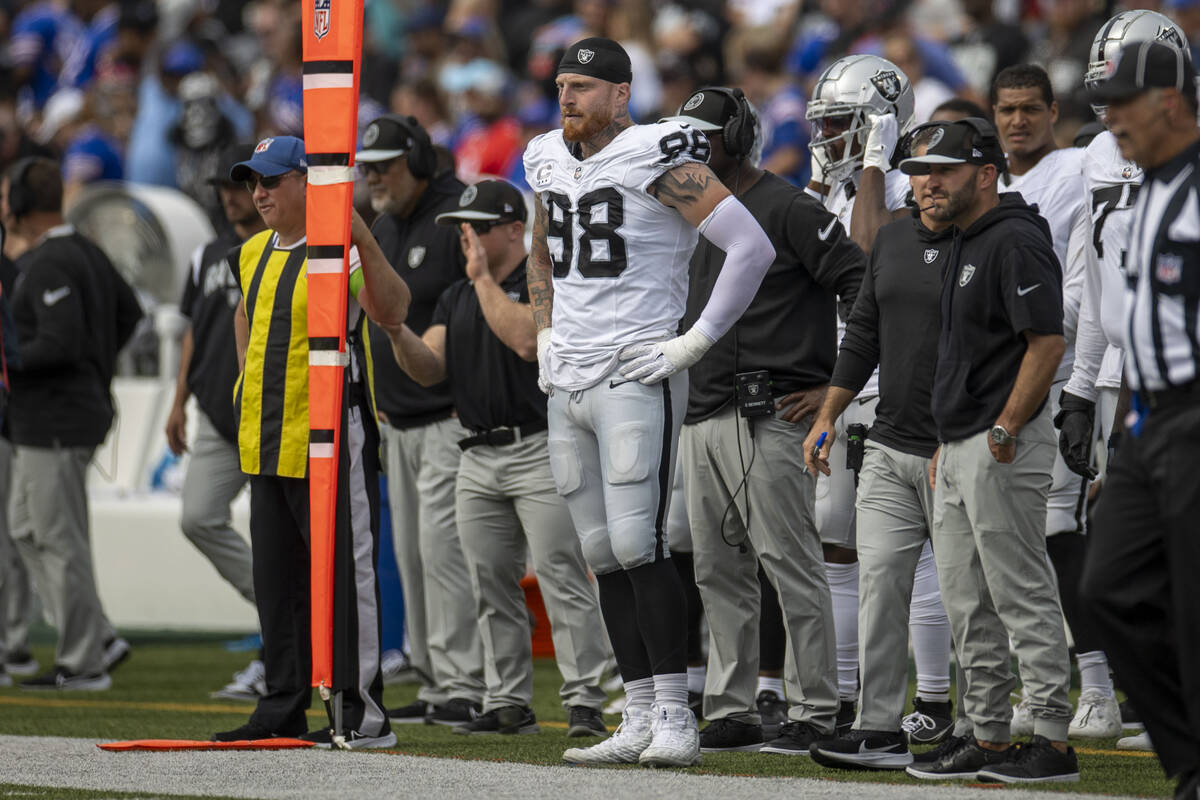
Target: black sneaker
{"points": [[1188, 787], [731, 736], [774, 712], [961, 762], [949, 744], [584, 721], [794, 739], [414, 713], [1130, 720], [929, 722], [455, 711], [1035, 761], [62, 678], [845, 718], [323, 738], [863, 750], [21, 663], [507, 720], [252, 731]]}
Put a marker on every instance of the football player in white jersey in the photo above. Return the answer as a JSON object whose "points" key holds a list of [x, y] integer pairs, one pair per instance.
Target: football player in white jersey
{"points": [[618, 210], [1111, 183], [1051, 179], [860, 106]]}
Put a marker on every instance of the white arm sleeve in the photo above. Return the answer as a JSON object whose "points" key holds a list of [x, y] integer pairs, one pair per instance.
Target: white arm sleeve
{"points": [[748, 256], [1090, 342], [1079, 247]]}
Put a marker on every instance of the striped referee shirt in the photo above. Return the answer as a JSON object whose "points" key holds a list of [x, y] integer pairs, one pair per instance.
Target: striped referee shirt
{"points": [[1162, 297]]}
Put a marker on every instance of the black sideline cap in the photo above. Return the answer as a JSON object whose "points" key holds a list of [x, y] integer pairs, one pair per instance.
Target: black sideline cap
{"points": [[961, 142], [491, 200]]}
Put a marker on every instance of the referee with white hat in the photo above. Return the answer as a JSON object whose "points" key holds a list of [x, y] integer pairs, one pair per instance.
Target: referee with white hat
{"points": [[1140, 575]]}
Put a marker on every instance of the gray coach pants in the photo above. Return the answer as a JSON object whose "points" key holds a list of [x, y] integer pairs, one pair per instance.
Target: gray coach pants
{"points": [[778, 530], [214, 478], [506, 500], [16, 595], [990, 545], [895, 512], [48, 515], [439, 613]]}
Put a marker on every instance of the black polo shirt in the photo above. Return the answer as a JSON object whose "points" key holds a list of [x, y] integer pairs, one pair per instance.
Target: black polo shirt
{"points": [[491, 385], [1003, 280], [210, 299], [429, 258]]}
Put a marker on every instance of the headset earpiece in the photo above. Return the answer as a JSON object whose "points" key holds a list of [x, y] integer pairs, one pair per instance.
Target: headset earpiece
{"points": [[20, 199], [738, 131]]}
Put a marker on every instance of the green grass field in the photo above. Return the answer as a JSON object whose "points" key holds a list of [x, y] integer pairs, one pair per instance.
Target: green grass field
{"points": [[163, 692]]}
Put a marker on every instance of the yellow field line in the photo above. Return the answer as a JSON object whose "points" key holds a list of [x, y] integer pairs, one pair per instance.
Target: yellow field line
{"points": [[137, 705]]}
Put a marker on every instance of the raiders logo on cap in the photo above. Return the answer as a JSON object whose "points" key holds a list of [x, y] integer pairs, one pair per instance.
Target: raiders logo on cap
{"points": [[937, 137], [371, 135], [694, 101], [585, 55], [468, 196], [888, 84]]}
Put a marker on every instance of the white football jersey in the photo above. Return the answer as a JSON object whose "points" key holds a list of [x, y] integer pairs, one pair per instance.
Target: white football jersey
{"points": [[620, 256], [1055, 186], [1112, 185], [840, 203]]}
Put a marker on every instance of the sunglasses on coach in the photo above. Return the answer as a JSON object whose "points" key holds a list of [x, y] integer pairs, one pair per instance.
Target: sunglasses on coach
{"points": [[267, 182], [376, 167]]}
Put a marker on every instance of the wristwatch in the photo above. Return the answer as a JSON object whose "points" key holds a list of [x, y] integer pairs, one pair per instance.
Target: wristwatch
{"points": [[1001, 437]]}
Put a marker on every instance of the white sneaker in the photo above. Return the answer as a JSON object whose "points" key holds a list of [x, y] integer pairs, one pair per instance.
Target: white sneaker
{"points": [[1096, 717], [249, 684], [628, 741], [116, 650], [1139, 742], [1022, 718], [676, 738]]}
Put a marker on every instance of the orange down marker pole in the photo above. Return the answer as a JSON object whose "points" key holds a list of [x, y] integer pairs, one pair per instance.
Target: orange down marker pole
{"points": [[332, 58]]}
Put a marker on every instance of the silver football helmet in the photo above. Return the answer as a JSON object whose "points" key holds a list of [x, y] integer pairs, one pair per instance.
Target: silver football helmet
{"points": [[1127, 27], [847, 93]]}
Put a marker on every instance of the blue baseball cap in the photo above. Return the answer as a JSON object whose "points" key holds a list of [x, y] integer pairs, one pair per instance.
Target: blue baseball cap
{"points": [[274, 155]]}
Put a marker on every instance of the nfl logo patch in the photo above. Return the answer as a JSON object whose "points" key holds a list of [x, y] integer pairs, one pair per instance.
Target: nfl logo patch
{"points": [[263, 145], [321, 18], [578, 172], [1168, 268], [931, 255], [1127, 172], [965, 277]]}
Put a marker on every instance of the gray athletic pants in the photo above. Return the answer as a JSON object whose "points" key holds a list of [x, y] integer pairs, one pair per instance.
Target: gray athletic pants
{"points": [[778, 530], [48, 515], [895, 513], [506, 501], [990, 545], [439, 612], [214, 478], [16, 595]]}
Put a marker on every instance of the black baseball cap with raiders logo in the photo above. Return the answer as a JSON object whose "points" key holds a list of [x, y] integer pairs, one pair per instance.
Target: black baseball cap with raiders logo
{"points": [[384, 139], [1140, 66], [967, 141], [487, 201], [707, 110], [597, 57]]}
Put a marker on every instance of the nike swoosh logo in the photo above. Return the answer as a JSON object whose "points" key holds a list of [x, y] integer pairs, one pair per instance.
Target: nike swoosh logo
{"points": [[1022, 292], [824, 234], [51, 297]]}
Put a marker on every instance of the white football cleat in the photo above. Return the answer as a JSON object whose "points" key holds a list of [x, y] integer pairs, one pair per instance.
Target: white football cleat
{"points": [[676, 738], [1139, 742], [1096, 716], [625, 745]]}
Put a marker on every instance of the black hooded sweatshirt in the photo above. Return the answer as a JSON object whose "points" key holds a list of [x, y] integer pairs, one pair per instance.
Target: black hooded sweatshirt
{"points": [[895, 324], [1002, 281]]}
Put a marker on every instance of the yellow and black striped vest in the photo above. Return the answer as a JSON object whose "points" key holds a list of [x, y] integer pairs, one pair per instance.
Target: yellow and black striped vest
{"points": [[271, 394]]}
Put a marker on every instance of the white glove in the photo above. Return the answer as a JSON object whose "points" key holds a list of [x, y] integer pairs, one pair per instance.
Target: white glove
{"points": [[651, 363], [817, 174], [881, 141], [543, 353]]}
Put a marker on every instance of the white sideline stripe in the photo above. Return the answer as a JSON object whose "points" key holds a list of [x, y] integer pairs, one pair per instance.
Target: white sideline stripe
{"points": [[329, 80], [328, 358], [329, 176], [325, 266], [320, 450]]}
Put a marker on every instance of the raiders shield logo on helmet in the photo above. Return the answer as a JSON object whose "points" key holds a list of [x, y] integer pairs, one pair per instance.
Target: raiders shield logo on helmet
{"points": [[415, 256], [931, 255], [965, 276], [586, 55], [1170, 36], [468, 196], [888, 84]]}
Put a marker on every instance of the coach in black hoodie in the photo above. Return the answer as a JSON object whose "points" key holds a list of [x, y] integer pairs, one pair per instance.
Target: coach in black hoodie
{"points": [[73, 314], [1000, 344]]}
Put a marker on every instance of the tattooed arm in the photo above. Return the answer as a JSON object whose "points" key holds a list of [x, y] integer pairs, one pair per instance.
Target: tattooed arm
{"points": [[539, 269], [691, 189]]}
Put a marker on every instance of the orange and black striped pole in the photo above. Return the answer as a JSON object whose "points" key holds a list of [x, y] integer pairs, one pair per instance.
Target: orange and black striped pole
{"points": [[332, 58]]}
